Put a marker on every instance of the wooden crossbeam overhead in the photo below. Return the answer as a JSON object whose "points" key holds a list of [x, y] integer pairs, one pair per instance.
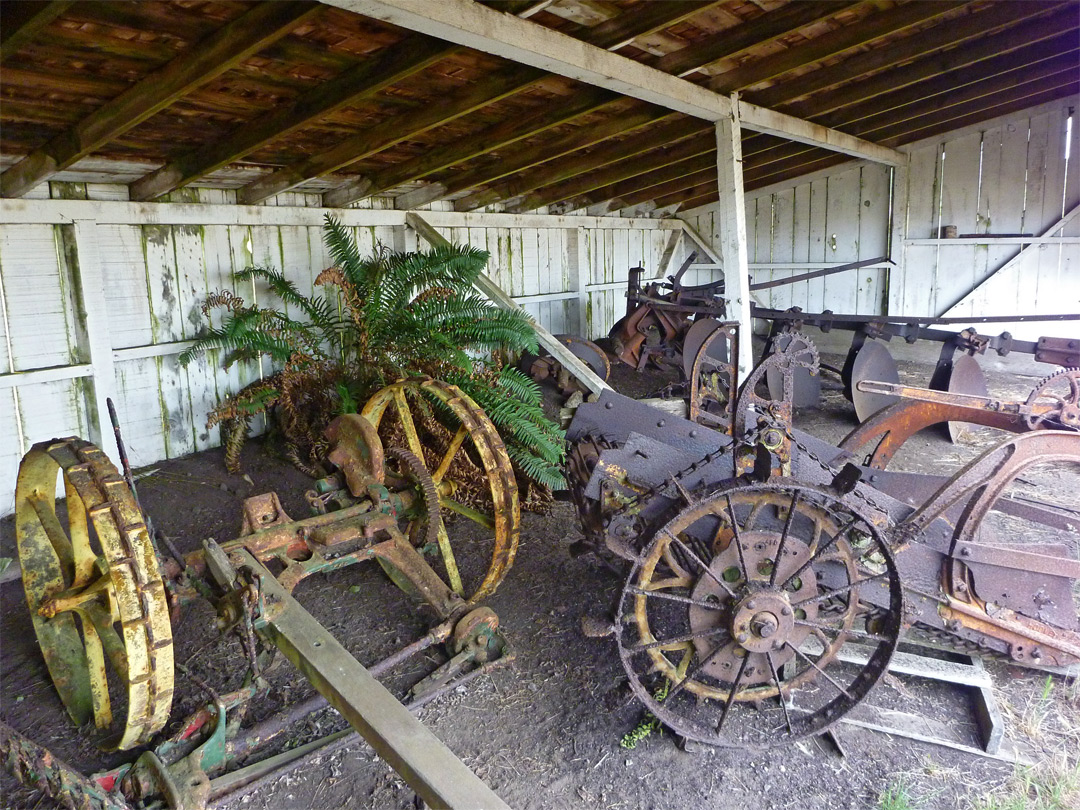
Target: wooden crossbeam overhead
{"points": [[832, 43], [492, 88], [225, 48], [618, 191], [956, 88], [979, 26], [481, 28], [610, 35], [988, 45], [1006, 42], [681, 62], [359, 82], [23, 20]]}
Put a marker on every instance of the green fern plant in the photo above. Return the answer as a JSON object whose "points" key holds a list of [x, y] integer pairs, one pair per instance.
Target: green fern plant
{"points": [[378, 319]]}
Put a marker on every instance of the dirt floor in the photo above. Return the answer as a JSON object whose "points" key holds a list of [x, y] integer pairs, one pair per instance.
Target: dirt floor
{"points": [[545, 732]]}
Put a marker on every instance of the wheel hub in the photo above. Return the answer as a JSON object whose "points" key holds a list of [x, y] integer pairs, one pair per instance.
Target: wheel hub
{"points": [[763, 615]]}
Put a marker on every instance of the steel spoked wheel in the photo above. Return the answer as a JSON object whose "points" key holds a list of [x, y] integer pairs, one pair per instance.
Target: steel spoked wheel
{"points": [[739, 609], [1057, 399], [460, 447], [94, 590]]}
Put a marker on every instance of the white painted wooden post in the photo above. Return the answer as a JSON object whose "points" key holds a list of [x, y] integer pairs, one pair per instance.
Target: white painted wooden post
{"points": [[582, 279], [732, 221], [99, 342]]}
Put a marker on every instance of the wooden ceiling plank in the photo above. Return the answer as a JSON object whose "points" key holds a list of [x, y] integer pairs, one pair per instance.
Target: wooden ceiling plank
{"points": [[921, 44], [831, 44], [733, 41], [759, 31], [558, 171], [202, 62], [23, 20], [1020, 38], [581, 184], [605, 35], [360, 82], [476, 26], [668, 176]]}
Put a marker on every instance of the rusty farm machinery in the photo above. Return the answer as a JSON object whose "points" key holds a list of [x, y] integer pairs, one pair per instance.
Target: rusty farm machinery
{"points": [[103, 597], [757, 553]]}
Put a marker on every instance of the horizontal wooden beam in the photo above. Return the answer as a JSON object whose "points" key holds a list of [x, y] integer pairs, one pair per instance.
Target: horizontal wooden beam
{"points": [[921, 46], [627, 192], [832, 43], [473, 25], [764, 29], [200, 63], [23, 20], [59, 212], [1014, 46], [363, 81]]}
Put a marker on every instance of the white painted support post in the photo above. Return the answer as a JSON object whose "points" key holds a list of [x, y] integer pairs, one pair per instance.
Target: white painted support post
{"points": [[732, 220], [581, 276], [99, 344], [493, 291]]}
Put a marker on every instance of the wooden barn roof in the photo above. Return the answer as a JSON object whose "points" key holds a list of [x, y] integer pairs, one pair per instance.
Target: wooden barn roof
{"points": [[266, 97]]}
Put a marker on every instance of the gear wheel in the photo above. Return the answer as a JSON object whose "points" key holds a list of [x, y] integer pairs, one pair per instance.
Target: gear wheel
{"points": [[1060, 392], [424, 530]]}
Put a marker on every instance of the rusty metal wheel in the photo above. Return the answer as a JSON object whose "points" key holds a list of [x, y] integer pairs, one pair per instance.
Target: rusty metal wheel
{"points": [[94, 590], [740, 606], [1059, 394], [443, 427]]}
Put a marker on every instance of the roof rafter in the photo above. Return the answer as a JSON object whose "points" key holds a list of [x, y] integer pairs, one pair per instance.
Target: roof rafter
{"points": [[203, 61], [23, 20], [489, 90], [476, 26], [683, 61]]}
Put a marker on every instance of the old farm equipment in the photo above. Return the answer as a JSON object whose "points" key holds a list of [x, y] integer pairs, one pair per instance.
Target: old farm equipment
{"points": [[956, 371], [659, 316], [758, 553], [100, 596]]}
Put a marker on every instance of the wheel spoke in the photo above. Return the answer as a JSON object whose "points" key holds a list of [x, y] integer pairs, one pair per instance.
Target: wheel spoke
{"points": [[652, 645], [845, 631], [813, 663], [736, 539], [451, 451], [61, 543], [817, 554], [702, 565], [401, 404], [840, 591], [95, 664], [83, 556], [694, 670], [686, 600], [449, 561], [779, 691], [731, 694], [783, 537], [475, 515]]}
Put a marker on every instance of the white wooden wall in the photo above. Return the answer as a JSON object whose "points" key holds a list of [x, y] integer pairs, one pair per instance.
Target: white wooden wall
{"points": [[823, 221], [104, 307], [1007, 176]]}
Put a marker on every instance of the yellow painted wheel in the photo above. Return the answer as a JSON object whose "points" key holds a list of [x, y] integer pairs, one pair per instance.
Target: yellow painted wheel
{"points": [[94, 589], [467, 460]]}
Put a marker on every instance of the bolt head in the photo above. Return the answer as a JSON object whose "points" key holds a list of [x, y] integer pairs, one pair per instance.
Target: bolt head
{"points": [[741, 637], [751, 605], [785, 610]]}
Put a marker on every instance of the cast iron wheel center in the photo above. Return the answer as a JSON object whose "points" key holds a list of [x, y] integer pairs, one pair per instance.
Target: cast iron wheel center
{"points": [[763, 621], [764, 616]]}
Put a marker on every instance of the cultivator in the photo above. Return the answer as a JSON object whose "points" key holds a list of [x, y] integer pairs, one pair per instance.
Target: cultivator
{"points": [[101, 597], [758, 552]]}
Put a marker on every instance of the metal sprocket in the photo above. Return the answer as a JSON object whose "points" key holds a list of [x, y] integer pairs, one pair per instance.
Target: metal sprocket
{"points": [[1061, 391]]}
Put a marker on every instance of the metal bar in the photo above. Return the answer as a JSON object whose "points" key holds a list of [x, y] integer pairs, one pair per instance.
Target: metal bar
{"points": [[419, 757], [765, 285], [782, 315]]}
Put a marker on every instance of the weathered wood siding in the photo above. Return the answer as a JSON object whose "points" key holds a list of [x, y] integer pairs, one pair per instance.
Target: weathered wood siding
{"points": [[159, 262], [828, 220], [1008, 176]]}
